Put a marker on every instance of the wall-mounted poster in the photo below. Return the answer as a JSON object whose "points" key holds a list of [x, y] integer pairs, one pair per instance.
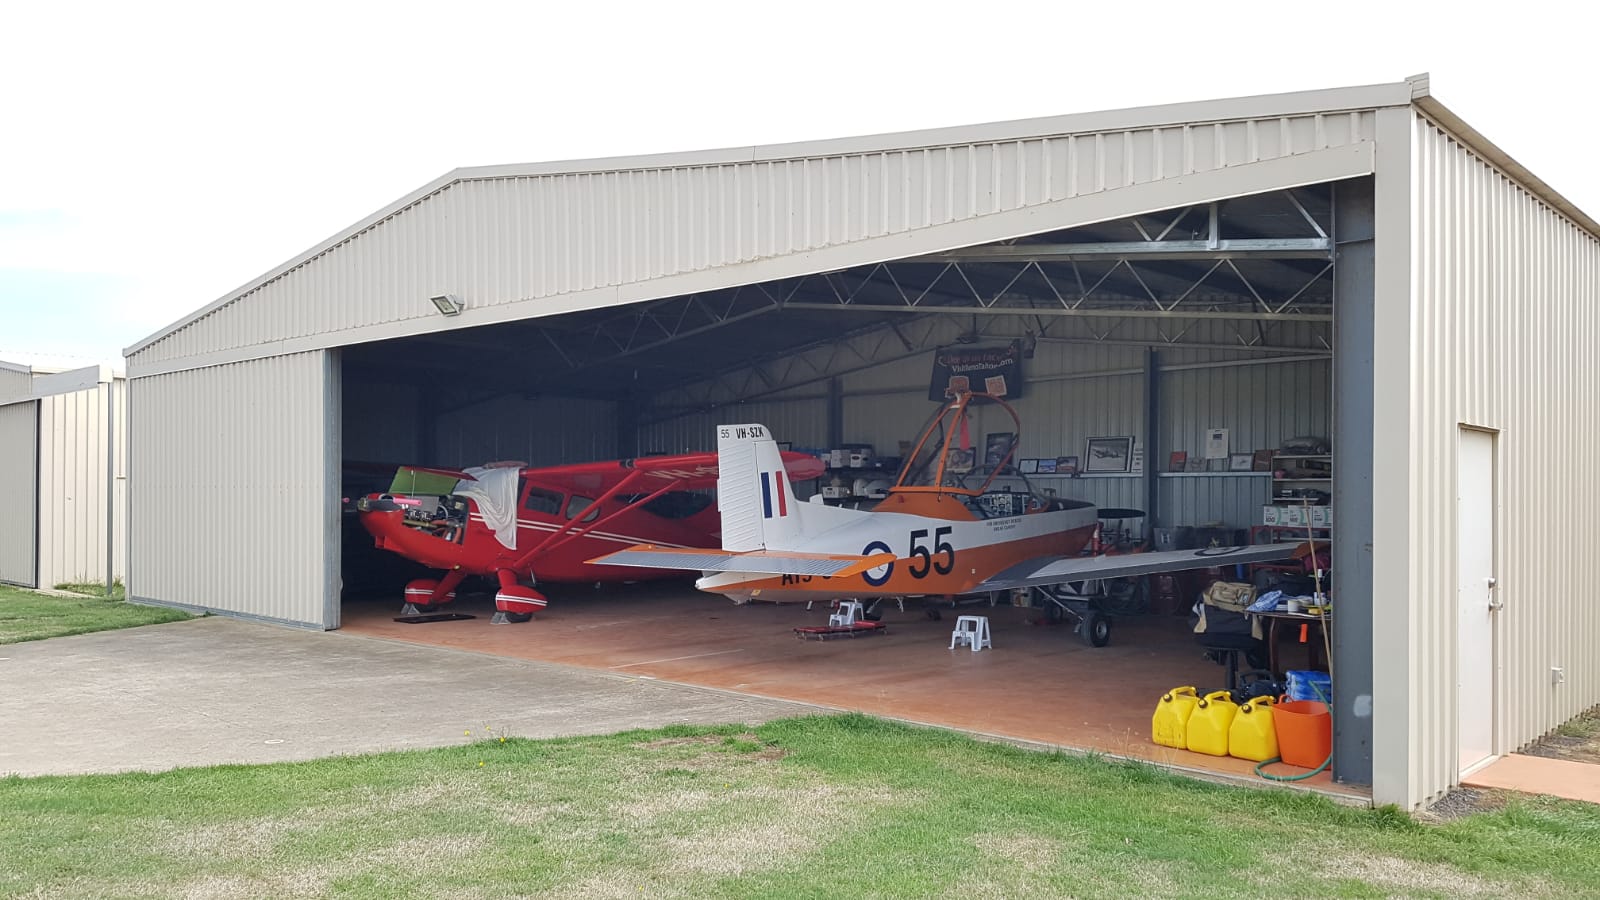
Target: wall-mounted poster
{"points": [[991, 370], [1108, 454], [1217, 443]]}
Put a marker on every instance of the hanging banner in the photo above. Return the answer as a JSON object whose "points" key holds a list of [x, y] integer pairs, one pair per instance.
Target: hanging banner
{"points": [[982, 370]]}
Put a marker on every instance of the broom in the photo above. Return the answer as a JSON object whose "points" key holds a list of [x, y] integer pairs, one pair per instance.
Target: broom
{"points": [[1316, 576]]}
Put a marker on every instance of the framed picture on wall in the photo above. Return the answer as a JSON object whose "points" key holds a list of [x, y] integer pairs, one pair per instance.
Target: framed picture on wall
{"points": [[996, 446], [1047, 467], [1028, 466], [1066, 465], [1108, 454], [1240, 462]]}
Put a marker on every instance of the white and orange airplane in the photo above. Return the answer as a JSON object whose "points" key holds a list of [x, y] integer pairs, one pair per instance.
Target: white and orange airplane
{"points": [[940, 531]]}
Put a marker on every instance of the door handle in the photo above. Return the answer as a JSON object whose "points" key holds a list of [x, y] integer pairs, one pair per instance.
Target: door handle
{"points": [[1495, 605]]}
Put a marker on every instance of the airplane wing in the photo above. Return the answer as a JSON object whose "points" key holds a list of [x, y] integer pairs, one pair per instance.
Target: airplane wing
{"points": [[1063, 569], [765, 562], [690, 471]]}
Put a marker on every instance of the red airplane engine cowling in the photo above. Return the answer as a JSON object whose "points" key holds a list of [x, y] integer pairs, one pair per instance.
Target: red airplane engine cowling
{"points": [[420, 591], [519, 599]]}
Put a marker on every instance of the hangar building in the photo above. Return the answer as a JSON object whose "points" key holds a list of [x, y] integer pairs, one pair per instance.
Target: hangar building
{"points": [[62, 439], [1357, 263]]}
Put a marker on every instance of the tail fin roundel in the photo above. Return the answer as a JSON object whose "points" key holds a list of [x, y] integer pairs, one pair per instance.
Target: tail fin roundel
{"points": [[759, 509]]}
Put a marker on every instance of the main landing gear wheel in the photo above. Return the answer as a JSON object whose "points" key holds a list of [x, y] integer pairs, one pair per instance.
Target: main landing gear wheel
{"points": [[1094, 628]]}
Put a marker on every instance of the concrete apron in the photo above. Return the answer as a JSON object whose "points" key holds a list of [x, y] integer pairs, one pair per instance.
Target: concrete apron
{"points": [[1039, 686], [1564, 778], [219, 690]]}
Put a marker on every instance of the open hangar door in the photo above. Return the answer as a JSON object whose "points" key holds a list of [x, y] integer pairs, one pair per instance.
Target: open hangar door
{"points": [[1159, 331]]}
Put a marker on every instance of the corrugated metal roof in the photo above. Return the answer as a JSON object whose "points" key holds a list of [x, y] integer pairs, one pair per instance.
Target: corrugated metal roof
{"points": [[507, 235]]}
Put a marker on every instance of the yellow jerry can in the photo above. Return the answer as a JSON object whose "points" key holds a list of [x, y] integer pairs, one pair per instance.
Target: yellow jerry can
{"points": [[1208, 724], [1169, 726], [1253, 735]]}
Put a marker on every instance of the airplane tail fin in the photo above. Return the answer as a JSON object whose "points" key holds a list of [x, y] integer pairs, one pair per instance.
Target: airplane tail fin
{"points": [[758, 505]]}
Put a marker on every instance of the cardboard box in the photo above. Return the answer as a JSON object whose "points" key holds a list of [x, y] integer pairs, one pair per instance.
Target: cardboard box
{"points": [[1297, 516], [1284, 516]]}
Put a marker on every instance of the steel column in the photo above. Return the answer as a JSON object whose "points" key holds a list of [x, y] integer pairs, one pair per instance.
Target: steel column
{"points": [[1353, 386]]}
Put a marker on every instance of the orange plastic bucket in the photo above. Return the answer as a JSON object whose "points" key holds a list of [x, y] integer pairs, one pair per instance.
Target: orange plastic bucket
{"points": [[1305, 732]]}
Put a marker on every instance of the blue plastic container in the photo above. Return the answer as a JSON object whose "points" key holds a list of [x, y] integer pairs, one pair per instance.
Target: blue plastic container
{"points": [[1307, 685]]}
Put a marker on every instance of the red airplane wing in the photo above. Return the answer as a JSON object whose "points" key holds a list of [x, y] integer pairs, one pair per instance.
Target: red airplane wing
{"points": [[690, 471]]}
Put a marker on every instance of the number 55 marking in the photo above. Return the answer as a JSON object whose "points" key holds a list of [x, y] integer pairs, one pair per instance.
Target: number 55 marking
{"points": [[941, 546]]}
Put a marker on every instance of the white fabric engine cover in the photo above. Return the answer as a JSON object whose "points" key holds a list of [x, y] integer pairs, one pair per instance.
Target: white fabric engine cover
{"points": [[495, 492]]}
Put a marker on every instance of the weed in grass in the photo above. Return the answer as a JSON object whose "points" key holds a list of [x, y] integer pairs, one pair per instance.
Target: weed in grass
{"points": [[1584, 726], [94, 588]]}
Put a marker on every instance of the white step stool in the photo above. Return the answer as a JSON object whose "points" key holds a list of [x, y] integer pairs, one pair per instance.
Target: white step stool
{"points": [[972, 631], [849, 613]]}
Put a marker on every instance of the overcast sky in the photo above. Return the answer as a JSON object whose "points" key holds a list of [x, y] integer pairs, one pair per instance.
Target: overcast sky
{"points": [[156, 156]]}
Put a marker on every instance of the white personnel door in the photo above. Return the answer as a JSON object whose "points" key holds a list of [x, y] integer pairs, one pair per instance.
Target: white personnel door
{"points": [[19, 493], [1476, 598]]}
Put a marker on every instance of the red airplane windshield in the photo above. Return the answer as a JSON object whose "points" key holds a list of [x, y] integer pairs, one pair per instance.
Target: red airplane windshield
{"points": [[953, 452]]}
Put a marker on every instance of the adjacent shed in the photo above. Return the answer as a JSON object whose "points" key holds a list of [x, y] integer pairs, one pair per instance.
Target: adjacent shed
{"points": [[63, 484], [1173, 265]]}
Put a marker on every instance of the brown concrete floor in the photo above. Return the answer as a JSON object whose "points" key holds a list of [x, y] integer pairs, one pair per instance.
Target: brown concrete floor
{"points": [[1039, 682], [1540, 775]]}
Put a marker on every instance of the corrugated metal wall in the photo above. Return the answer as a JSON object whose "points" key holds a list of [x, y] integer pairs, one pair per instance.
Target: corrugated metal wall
{"points": [[74, 431], [541, 431], [233, 505], [380, 424], [802, 422], [1506, 319], [15, 382], [498, 240], [1067, 401], [19, 491]]}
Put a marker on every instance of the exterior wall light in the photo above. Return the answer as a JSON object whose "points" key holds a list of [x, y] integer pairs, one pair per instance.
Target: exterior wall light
{"points": [[447, 304]]}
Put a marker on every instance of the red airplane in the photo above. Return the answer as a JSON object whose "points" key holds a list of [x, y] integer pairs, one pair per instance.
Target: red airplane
{"points": [[530, 525]]}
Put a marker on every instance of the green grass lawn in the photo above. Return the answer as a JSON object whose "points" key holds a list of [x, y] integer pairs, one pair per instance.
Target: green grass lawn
{"points": [[29, 616], [809, 807]]}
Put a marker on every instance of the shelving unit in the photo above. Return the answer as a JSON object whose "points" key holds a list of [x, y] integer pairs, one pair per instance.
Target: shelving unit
{"points": [[1298, 466], [1304, 473]]}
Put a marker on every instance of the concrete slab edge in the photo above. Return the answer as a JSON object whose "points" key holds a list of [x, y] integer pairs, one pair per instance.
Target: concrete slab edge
{"points": [[226, 613]]}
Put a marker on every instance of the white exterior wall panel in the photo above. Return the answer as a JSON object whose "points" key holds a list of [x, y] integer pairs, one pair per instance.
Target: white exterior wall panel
{"points": [[495, 239], [19, 492], [1505, 330], [74, 480], [234, 505], [15, 382]]}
